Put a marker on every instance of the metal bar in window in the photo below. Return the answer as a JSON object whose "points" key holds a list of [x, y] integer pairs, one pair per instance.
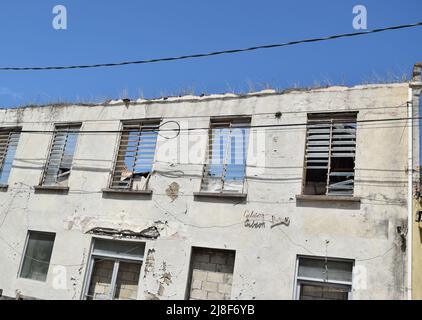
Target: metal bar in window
{"points": [[329, 157], [114, 279]]}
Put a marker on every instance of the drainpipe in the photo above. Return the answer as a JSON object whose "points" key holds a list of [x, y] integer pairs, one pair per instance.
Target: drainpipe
{"points": [[410, 195]]}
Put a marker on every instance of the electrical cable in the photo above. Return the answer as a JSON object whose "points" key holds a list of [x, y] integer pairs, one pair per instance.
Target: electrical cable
{"points": [[197, 116], [12, 129], [215, 53]]}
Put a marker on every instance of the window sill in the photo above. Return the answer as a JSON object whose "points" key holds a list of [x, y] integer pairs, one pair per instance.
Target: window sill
{"points": [[4, 187], [416, 84], [221, 195], [302, 197], [51, 188], [128, 191]]}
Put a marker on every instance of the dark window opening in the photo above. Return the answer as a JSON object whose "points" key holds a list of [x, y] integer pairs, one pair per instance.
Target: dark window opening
{"points": [[316, 182], [330, 155]]}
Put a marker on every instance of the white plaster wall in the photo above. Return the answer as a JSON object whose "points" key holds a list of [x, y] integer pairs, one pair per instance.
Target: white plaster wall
{"points": [[265, 258]]}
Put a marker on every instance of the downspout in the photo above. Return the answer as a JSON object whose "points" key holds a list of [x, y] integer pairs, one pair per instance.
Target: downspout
{"points": [[410, 195]]}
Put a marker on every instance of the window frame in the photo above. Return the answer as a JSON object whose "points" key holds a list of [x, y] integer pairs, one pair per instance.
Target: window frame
{"points": [[116, 259], [213, 123], [44, 173], [192, 253], [158, 122], [312, 119], [298, 281], [24, 255]]}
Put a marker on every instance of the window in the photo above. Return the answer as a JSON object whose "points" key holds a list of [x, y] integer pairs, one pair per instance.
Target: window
{"points": [[211, 274], [330, 155], [114, 270], [36, 260], [8, 144], [60, 160], [226, 159], [323, 279], [136, 155]]}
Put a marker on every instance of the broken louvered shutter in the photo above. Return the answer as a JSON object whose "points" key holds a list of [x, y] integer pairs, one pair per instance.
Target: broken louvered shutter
{"points": [[330, 155], [226, 166], [8, 145], [136, 153], [61, 155], [317, 146], [343, 153]]}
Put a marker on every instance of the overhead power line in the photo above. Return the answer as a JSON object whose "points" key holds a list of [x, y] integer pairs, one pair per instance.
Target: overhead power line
{"points": [[215, 53]]}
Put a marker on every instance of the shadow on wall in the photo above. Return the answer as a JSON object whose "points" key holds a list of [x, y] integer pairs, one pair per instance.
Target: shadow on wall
{"points": [[110, 194], [329, 205], [214, 199]]}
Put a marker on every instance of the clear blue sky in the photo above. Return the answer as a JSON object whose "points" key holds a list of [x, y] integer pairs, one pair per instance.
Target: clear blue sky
{"points": [[111, 31]]}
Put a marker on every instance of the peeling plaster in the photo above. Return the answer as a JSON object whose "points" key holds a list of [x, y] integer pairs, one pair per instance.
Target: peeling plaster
{"points": [[173, 191]]}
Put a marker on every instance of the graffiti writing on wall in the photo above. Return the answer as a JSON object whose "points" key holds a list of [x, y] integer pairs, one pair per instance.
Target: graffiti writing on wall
{"points": [[257, 220]]}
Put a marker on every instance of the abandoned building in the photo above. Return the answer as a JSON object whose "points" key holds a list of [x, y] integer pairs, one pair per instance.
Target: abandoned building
{"points": [[301, 194]]}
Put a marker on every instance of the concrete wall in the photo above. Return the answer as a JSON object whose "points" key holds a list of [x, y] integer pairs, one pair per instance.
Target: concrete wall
{"points": [[265, 263]]}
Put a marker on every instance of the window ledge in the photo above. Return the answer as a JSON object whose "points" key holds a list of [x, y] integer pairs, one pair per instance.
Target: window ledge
{"points": [[52, 188], [302, 197], [221, 194], [127, 191], [416, 84], [4, 187]]}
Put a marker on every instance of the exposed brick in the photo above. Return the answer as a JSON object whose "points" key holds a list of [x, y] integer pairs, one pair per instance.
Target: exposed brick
{"points": [[224, 268], [228, 278], [224, 288], [215, 277], [210, 286], [212, 274], [198, 294], [230, 260], [202, 257], [196, 284], [215, 296], [124, 294], [208, 266], [219, 258], [199, 275]]}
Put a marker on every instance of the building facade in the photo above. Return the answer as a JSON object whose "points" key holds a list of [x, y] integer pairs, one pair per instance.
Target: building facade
{"points": [[301, 194]]}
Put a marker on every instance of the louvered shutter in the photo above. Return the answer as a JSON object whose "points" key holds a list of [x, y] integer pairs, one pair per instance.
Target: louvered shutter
{"points": [[61, 154], [8, 144], [331, 151], [136, 153]]}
